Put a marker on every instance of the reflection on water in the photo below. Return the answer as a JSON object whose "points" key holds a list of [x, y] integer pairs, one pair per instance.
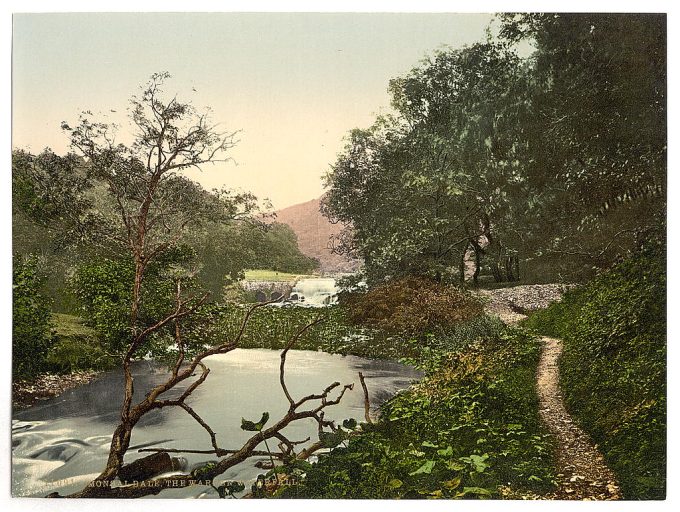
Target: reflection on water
{"points": [[62, 443]]}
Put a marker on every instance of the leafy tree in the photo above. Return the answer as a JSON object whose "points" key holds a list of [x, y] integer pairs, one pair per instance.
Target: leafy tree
{"points": [[432, 182], [226, 250], [555, 163], [596, 146], [31, 325], [47, 190]]}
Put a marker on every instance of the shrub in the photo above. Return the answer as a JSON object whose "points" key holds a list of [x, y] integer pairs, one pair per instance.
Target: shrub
{"points": [[412, 305], [31, 327], [103, 288]]}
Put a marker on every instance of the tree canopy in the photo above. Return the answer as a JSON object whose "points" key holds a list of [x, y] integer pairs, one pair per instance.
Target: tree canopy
{"points": [[554, 163]]}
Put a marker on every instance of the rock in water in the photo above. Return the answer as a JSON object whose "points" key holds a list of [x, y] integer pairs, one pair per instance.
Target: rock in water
{"points": [[147, 467]]}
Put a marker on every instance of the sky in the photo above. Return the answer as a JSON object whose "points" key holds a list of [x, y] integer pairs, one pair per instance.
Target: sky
{"points": [[293, 84]]}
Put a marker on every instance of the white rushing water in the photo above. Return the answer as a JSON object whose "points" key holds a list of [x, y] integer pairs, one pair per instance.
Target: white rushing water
{"points": [[318, 291], [62, 443]]}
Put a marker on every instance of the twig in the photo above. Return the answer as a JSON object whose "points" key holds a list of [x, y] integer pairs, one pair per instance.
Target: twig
{"points": [[367, 403]]}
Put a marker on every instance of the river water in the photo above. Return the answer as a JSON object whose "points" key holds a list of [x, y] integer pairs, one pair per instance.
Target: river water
{"points": [[62, 443]]}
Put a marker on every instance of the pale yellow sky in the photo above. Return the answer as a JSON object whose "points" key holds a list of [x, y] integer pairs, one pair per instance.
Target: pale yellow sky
{"points": [[294, 84]]}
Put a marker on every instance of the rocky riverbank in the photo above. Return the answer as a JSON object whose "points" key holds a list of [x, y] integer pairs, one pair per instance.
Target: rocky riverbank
{"points": [[25, 393]]}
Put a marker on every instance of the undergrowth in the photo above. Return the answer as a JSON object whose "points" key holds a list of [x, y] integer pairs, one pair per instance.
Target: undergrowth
{"points": [[469, 429]]}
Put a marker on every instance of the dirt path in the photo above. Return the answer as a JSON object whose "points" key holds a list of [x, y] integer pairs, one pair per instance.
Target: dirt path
{"points": [[582, 472]]}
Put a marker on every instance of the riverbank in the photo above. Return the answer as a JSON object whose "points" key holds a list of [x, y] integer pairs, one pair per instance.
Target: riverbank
{"points": [[28, 392], [75, 357], [469, 429]]}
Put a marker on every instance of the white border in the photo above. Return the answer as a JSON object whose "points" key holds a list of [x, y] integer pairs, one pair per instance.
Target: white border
{"points": [[327, 6]]}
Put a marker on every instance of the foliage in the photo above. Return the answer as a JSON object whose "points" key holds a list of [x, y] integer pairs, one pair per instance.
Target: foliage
{"points": [[104, 290], [597, 139], [225, 250], [412, 305], [551, 166], [418, 187], [62, 212], [31, 323], [48, 187], [617, 323], [76, 347], [466, 430], [269, 327]]}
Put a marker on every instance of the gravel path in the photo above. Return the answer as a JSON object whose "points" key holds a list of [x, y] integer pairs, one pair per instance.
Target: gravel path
{"points": [[581, 470], [512, 304]]}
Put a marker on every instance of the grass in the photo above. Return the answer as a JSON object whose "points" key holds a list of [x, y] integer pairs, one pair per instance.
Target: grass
{"points": [[71, 325], [76, 346], [273, 275]]}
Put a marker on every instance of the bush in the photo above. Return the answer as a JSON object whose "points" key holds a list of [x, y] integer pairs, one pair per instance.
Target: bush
{"points": [[412, 305], [468, 430], [103, 288], [613, 369], [31, 326]]}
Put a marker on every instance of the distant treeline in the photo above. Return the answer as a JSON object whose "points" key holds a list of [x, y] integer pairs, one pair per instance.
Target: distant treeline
{"points": [[48, 190]]}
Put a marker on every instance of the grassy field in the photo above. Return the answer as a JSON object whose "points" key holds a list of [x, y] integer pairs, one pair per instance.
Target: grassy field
{"points": [[273, 275]]}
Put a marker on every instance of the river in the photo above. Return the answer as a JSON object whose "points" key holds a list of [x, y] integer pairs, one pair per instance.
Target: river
{"points": [[62, 443]]}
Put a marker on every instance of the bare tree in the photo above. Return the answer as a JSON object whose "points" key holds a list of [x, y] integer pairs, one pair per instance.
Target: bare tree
{"points": [[150, 211]]}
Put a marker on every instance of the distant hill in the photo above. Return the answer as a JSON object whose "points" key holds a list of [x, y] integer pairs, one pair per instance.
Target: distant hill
{"points": [[313, 231]]}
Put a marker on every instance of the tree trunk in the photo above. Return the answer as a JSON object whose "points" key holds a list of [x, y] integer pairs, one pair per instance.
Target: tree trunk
{"points": [[478, 255], [462, 265]]}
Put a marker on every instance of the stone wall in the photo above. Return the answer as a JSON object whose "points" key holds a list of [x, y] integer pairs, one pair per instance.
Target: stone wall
{"points": [[265, 289]]}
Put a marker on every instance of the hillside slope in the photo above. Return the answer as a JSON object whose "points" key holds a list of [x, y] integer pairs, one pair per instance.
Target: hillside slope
{"points": [[313, 231]]}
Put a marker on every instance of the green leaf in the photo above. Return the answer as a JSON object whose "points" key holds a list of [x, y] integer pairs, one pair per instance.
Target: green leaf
{"points": [[332, 439], [426, 468], [452, 484], [230, 487], [446, 452], [455, 465], [428, 444], [479, 491], [299, 464], [395, 483], [250, 426], [350, 423]]}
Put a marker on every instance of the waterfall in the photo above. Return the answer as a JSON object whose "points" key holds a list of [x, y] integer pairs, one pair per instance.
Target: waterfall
{"points": [[315, 291]]}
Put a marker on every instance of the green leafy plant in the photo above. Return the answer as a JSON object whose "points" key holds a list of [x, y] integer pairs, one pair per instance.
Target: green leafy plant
{"points": [[468, 428], [31, 321]]}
